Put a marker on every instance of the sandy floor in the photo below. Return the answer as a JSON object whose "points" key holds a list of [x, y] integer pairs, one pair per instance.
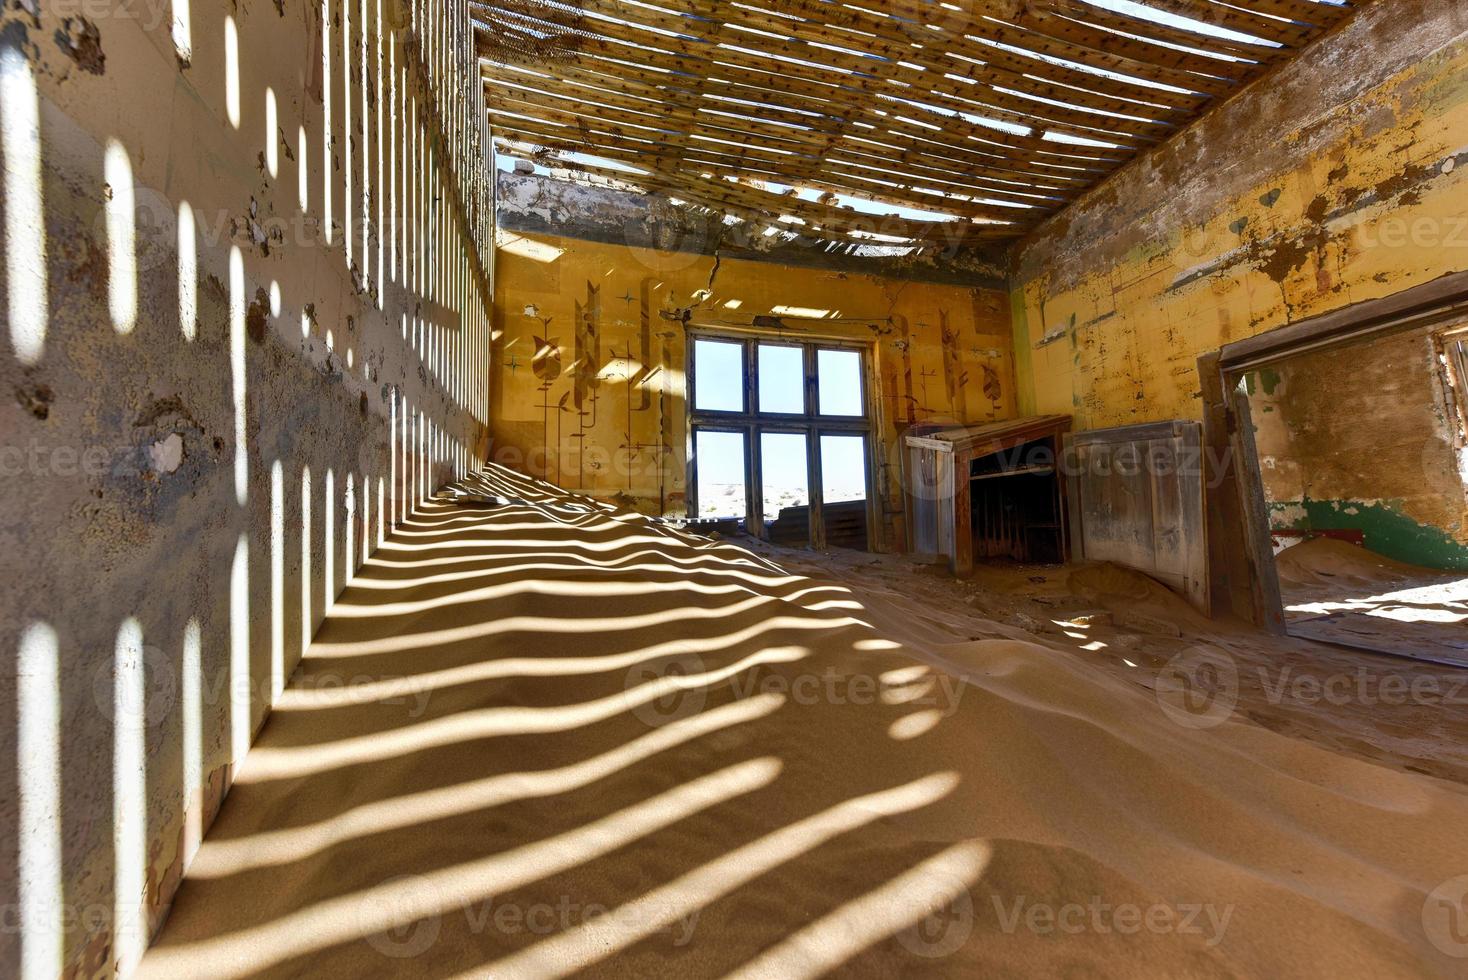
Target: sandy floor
{"points": [[539, 739], [1396, 712], [1340, 593]]}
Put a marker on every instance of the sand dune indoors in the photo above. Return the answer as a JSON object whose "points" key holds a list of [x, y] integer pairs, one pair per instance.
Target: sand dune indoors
{"points": [[756, 780]]}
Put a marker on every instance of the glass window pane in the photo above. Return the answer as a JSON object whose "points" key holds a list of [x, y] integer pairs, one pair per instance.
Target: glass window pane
{"points": [[843, 468], [839, 375], [783, 473], [781, 379], [718, 376], [719, 457]]}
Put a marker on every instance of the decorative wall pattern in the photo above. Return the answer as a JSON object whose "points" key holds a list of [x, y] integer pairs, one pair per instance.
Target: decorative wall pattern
{"points": [[590, 352]]}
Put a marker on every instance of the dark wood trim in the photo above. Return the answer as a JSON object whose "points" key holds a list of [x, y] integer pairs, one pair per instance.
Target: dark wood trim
{"points": [[1258, 546], [1441, 299], [1142, 432], [1230, 580]]}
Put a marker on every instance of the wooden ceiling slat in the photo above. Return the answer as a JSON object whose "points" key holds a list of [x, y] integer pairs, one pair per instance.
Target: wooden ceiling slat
{"points": [[654, 96], [1306, 11], [517, 100], [1077, 98], [1129, 93], [902, 77], [909, 103], [967, 38], [613, 149], [838, 64], [961, 180], [618, 146], [1121, 54], [1235, 19], [979, 92], [1037, 196], [1167, 65], [1085, 105], [752, 203], [936, 61], [1004, 107], [642, 129], [650, 113], [992, 141], [1040, 42], [908, 156], [1078, 10]]}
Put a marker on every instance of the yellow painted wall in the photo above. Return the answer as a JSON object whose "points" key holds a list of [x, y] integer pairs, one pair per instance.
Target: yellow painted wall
{"points": [[1342, 178], [589, 369]]}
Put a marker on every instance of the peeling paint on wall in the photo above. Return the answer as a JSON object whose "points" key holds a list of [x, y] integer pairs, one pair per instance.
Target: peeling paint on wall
{"points": [[1387, 529], [609, 417], [1358, 438], [1343, 179]]}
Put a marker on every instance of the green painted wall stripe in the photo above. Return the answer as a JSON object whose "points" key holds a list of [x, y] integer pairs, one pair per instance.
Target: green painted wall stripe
{"points": [[1387, 530]]}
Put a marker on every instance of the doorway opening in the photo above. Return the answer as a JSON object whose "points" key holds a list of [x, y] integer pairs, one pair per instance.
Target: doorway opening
{"points": [[781, 438], [1354, 463]]}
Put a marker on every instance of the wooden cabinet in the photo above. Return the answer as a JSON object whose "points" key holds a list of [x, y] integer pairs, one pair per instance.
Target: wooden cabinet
{"points": [[991, 491]]}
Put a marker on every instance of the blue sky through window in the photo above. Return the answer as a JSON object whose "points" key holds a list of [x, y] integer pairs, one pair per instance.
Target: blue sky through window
{"points": [[838, 377], [781, 379], [718, 376], [843, 468]]}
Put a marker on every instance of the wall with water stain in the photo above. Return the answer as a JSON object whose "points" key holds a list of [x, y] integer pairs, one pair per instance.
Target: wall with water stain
{"points": [[590, 355], [1340, 178], [1362, 439], [246, 315]]}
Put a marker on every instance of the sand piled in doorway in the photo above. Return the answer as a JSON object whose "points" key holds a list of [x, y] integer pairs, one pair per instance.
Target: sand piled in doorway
{"points": [[541, 738]]}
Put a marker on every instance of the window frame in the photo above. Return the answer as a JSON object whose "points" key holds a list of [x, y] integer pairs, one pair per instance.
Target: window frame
{"points": [[811, 423], [1450, 349], [805, 391], [748, 467]]}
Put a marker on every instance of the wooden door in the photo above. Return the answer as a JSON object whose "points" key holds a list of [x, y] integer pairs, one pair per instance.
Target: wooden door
{"points": [[1136, 498]]}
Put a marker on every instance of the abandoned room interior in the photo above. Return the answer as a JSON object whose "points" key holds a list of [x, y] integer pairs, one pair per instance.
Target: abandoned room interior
{"points": [[531, 488]]}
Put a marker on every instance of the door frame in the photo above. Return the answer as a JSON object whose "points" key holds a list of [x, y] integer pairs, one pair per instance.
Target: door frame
{"points": [[1438, 302]]}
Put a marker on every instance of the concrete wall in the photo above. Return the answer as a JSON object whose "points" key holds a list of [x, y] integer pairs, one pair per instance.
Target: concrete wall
{"points": [[233, 356], [1360, 438], [591, 351], [1340, 178]]}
